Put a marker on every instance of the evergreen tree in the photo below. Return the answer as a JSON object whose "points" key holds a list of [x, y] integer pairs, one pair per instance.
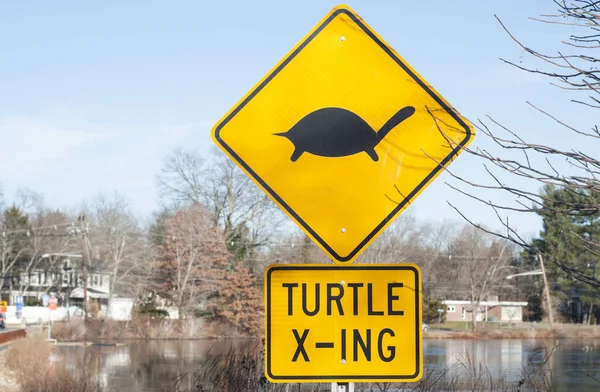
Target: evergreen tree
{"points": [[570, 230], [14, 244]]}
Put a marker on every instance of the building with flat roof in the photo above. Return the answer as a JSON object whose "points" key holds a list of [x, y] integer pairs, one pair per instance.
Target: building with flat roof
{"points": [[494, 310]]}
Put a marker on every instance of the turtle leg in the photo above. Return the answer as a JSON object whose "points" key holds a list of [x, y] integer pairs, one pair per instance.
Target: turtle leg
{"points": [[371, 152], [296, 154]]}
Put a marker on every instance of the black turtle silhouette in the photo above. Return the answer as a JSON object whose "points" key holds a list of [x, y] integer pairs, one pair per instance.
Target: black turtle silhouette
{"points": [[337, 132]]}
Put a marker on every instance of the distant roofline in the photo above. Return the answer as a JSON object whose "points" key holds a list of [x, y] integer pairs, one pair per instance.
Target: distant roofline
{"points": [[486, 303]]}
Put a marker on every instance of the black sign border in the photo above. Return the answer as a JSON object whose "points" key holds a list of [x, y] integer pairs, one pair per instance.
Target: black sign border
{"points": [[407, 199], [359, 267]]}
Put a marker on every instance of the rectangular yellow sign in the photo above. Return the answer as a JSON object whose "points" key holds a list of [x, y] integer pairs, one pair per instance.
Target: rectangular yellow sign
{"points": [[326, 323]]}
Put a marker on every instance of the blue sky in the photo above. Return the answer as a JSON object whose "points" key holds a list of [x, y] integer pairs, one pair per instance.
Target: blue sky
{"points": [[93, 95]]}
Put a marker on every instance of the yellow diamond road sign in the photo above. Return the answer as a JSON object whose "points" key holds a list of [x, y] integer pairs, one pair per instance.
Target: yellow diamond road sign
{"points": [[354, 323], [342, 134]]}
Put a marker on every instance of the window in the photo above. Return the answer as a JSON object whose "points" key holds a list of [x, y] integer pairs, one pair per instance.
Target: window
{"points": [[95, 281], [451, 309]]}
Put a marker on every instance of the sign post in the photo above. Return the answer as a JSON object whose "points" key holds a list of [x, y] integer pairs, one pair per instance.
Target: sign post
{"points": [[343, 134], [52, 305], [19, 303]]}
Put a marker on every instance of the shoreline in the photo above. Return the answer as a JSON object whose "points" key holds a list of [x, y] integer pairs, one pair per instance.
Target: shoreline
{"points": [[591, 332], [437, 335], [110, 333]]}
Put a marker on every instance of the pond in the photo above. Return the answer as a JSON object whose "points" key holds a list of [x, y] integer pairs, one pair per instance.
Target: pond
{"points": [[153, 365]]}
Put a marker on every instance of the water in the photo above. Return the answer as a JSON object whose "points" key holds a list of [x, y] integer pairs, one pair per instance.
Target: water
{"points": [[570, 360], [151, 366]]}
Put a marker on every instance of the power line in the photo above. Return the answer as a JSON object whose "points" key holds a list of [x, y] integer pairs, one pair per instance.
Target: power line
{"points": [[31, 232]]}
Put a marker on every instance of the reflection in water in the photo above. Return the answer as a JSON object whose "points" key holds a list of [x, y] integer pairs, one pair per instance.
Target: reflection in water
{"points": [[153, 365], [501, 357], [570, 362]]}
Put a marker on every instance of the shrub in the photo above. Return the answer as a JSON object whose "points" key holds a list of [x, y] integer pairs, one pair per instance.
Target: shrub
{"points": [[74, 330], [430, 310], [32, 301], [153, 312]]}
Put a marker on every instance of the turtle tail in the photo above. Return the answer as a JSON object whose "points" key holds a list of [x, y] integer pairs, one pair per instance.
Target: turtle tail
{"points": [[396, 119]]}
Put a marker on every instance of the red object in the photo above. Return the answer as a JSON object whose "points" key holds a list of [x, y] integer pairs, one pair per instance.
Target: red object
{"points": [[52, 303], [12, 335]]}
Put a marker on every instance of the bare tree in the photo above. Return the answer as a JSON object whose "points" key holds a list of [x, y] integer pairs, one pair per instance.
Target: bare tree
{"points": [[26, 237], [29, 201], [121, 243], [294, 248], [478, 260], [181, 178], [244, 214], [522, 167], [49, 234], [409, 240]]}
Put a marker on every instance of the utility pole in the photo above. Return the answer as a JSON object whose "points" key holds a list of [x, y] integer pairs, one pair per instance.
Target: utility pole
{"points": [[591, 312], [84, 262], [547, 291]]}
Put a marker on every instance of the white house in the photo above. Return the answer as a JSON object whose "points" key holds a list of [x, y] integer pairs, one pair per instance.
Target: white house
{"points": [[64, 279], [502, 311]]}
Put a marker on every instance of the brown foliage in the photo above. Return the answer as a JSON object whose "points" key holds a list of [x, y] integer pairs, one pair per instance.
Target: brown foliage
{"points": [[191, 259], [241, 301]]}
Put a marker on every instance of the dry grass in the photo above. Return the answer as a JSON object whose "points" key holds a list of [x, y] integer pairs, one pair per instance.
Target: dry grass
{"points": [[141, 328], [71, 331], [536, 375], [28, 358], [561, 331], [239, 369], [242, 369], [30, 361]]}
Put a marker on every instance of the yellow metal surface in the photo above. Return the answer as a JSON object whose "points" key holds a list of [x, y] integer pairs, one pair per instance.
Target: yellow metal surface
{"points": [[326, 323], [342, 199]]}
